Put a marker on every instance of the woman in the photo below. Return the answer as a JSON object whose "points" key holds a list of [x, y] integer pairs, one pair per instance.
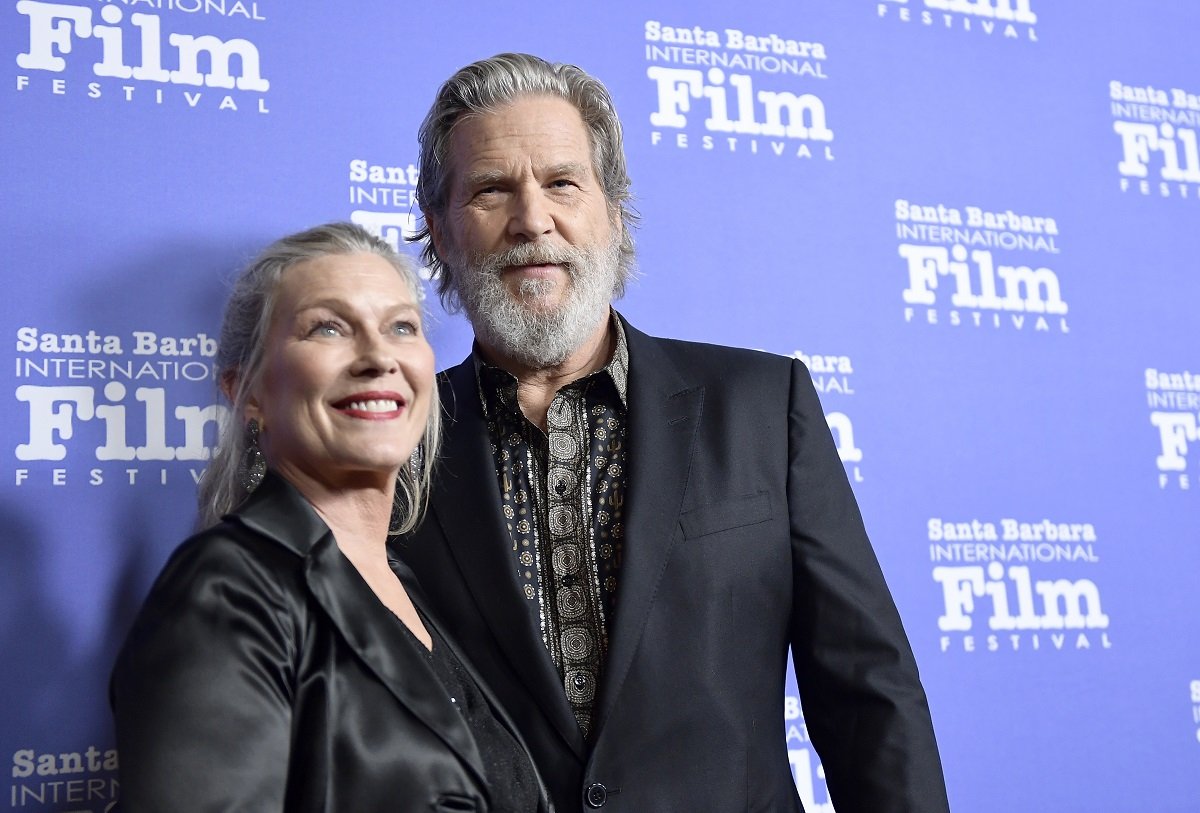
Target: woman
{"points": [[281, 661]]}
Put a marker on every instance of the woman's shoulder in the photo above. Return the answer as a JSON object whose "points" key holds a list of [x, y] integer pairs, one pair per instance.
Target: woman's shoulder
{"points": [[227, 561], [266, 537]]}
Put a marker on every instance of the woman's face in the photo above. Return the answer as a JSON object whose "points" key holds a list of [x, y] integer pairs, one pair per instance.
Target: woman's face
{"points": [[347, 374]]}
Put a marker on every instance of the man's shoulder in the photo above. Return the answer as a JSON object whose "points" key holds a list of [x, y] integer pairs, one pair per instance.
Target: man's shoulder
{"points": [[721, 352], [696, 355]]}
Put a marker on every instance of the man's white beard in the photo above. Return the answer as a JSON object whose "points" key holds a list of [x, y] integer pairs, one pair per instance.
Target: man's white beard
{"points": [[536, 337]]}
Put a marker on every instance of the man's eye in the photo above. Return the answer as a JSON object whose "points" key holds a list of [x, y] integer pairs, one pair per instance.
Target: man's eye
{"points": [[405, 329]]}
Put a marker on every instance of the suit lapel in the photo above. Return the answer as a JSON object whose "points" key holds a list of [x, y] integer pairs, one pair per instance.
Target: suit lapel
{"points": [[664, 416], [277, 511], [466, 505]]}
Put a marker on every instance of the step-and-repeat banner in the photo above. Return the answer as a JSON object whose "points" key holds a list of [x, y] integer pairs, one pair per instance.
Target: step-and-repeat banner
{"points": [[977, 222]]}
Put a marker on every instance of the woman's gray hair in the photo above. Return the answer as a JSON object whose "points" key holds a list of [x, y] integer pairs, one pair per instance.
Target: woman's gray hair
{"points": [[240, 356], [485, 87]]}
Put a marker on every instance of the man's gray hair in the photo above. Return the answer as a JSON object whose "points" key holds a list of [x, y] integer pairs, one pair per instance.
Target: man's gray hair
{"points": [[485, 87], [242, 348]]}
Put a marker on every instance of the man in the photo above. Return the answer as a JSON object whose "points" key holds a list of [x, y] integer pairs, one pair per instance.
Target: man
{"points": [[626, 533]]}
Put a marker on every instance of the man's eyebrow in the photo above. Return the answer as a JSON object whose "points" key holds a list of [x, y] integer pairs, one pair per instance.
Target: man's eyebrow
{"points": [[484, 177], [573, 168]]}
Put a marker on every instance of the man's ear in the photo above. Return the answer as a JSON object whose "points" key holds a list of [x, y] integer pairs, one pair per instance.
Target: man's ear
{"points": [[435, 235]]}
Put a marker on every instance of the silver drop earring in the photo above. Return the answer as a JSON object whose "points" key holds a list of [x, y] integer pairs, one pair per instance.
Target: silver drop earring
{"points": [[254, 465]]}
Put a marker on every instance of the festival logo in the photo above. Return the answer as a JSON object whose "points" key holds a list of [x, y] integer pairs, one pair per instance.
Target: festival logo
{"points": [[1156, 130], [974, 268], [384, 198], [74, 781], [1004, 19], [135, 57], [1017, 586], [732, 91], [108, 410], [1174, 402], [807, 771]]}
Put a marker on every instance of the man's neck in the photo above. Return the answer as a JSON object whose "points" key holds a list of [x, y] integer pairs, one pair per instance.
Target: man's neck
{"points": [[536, 386]]}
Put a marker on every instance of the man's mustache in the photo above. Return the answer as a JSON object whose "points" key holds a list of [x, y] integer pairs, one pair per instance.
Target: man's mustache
{"points": [[529, 254]]}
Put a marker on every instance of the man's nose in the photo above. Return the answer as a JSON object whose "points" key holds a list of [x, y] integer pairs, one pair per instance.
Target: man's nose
{"points": [[530, 217]]}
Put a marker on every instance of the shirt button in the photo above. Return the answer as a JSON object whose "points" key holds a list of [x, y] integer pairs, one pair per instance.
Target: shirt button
{"points": [[595, 795], [560, 488], [580, 681]]}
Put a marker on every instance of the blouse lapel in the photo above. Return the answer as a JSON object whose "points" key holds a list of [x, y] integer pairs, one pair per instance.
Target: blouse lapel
{"points": [[377, 637], [278, 511]]}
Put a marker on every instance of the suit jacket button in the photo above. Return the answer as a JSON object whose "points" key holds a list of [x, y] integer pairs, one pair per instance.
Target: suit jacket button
{"points": [[595, 795]]}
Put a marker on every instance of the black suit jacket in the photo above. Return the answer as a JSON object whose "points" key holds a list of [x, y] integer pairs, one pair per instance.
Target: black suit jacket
{"points": [[263, 674], [742, 538]]}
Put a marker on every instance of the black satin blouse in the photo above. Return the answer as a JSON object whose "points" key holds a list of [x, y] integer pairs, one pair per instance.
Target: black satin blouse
{"points": [[263, 674]]}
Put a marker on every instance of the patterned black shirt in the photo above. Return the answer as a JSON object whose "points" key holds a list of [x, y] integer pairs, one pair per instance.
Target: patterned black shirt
{"points": [[562, 493]]}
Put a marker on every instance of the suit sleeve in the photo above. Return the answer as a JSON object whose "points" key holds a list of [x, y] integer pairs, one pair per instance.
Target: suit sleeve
{"points": [[864, 706], [201, 691]]}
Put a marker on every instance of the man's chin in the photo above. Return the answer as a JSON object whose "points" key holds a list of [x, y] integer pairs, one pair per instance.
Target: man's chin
{"points": [[540, 309], [537, 294]]}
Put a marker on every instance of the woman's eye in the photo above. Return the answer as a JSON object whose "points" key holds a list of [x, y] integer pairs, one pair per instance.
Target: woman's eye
{"points": [[325, 329]]}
